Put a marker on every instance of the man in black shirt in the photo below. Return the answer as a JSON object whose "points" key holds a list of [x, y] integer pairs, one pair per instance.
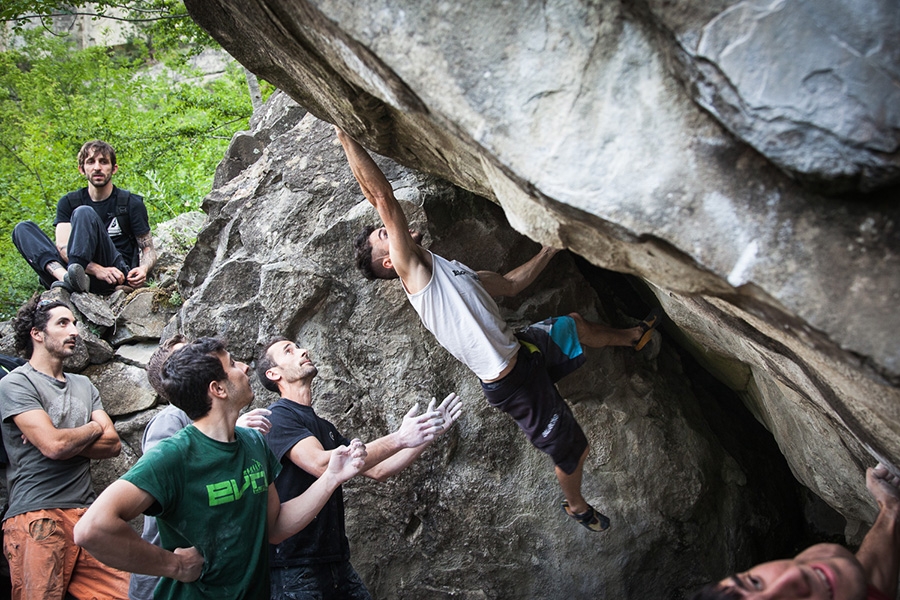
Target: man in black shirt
{"points": [[103, 237], [315, 563]]}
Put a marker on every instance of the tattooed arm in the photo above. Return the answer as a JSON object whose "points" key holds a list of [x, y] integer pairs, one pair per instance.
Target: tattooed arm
{"points": [[138, 275]]}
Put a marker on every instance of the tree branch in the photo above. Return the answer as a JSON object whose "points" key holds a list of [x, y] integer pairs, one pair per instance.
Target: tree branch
{"points": [[27, 168], [94, 15]]}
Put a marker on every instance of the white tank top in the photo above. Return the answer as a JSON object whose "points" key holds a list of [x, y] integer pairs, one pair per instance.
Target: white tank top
{"points": [[456, 308]]}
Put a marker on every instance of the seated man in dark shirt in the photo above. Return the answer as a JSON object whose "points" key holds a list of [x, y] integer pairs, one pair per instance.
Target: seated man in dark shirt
{"points": [[103, 237]]}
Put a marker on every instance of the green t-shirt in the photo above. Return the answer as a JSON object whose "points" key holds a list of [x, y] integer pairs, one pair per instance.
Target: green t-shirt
{"points": [[212, 495]]}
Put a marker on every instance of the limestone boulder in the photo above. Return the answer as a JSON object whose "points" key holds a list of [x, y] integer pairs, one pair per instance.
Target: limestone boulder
{"points": [[478, 515], [7, 338], [131, 430], [810, 85], [98, 350], [123, 388], [95, 310], [137, 355], [172, 241], [696, 146], [143, 316]]}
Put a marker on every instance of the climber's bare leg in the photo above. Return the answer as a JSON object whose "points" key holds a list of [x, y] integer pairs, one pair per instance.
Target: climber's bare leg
{"points": [[597, 335], [571, 485]]}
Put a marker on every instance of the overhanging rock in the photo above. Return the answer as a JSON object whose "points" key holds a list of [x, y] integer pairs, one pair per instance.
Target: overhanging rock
{"points": [[576, 119]]}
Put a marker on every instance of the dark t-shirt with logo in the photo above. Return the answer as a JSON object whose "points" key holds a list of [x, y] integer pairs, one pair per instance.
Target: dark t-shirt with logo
{"points": [[123, 237]]}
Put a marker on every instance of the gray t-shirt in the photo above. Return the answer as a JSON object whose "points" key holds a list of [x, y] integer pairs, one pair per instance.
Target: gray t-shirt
{"points": [[34, 481]]}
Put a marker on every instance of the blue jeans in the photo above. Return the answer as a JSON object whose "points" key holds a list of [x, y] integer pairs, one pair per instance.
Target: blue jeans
{"points": [[325, 581]]}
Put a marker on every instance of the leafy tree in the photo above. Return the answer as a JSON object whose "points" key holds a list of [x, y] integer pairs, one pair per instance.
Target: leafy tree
{"points": [[169, 133], [165, 20]]}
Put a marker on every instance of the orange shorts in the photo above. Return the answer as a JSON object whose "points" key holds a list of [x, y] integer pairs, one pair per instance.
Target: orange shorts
{"points": [[45, 563]]}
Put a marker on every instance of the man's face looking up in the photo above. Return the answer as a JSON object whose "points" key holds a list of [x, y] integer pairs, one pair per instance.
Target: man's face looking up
{"points": [[821, 572]]}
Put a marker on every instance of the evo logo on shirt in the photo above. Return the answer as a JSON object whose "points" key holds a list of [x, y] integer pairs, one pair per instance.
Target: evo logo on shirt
{"points": [[229, 491]]}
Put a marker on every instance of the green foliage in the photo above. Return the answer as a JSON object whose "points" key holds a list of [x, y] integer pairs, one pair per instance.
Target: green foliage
{"points": [[168, 136], [165, 22], [175, 300], [175, 30]]}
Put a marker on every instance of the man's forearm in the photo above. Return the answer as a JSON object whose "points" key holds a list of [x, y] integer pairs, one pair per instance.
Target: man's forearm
{"points": [[70, 441], [395, 463], [114, 543], [374, 184], [148, 252], [382, 449], [524, 275], [148, 259], [381, 454], [297, 513], [108, 444], [879, 553], [63, 230], [103, 447], [519, 278]]}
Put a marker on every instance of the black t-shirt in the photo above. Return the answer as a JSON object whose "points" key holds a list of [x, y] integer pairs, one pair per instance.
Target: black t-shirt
{"points": [[323, 540], [106, 209]]}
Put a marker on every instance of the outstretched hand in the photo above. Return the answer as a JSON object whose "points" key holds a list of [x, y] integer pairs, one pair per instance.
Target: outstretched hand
{"points": [[256, 419], [347, 462], [450, 410], [418, 429]]}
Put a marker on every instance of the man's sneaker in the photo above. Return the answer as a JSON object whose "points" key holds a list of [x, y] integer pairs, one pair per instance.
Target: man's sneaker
{"points": [[591, 518], [61, 284], [77, 279]]}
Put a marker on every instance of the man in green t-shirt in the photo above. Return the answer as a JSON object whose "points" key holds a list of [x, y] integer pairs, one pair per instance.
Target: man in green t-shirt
{"points": [[210, 487]]}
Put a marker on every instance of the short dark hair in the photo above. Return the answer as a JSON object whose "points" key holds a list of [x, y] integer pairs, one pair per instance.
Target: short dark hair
{"points": [[34, 314], [364, 253], [364, 261], [714, 591], [187, 373], [89, 148], [154, 365], [264, 362]]}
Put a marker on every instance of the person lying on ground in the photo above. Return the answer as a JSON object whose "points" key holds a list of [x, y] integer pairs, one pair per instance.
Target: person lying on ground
{"points": [[830, 571]]}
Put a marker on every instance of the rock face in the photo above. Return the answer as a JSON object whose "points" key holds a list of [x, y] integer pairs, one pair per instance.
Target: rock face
{"points": [[548, 90], [478, 515], [810, 85], [684, 143]]}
